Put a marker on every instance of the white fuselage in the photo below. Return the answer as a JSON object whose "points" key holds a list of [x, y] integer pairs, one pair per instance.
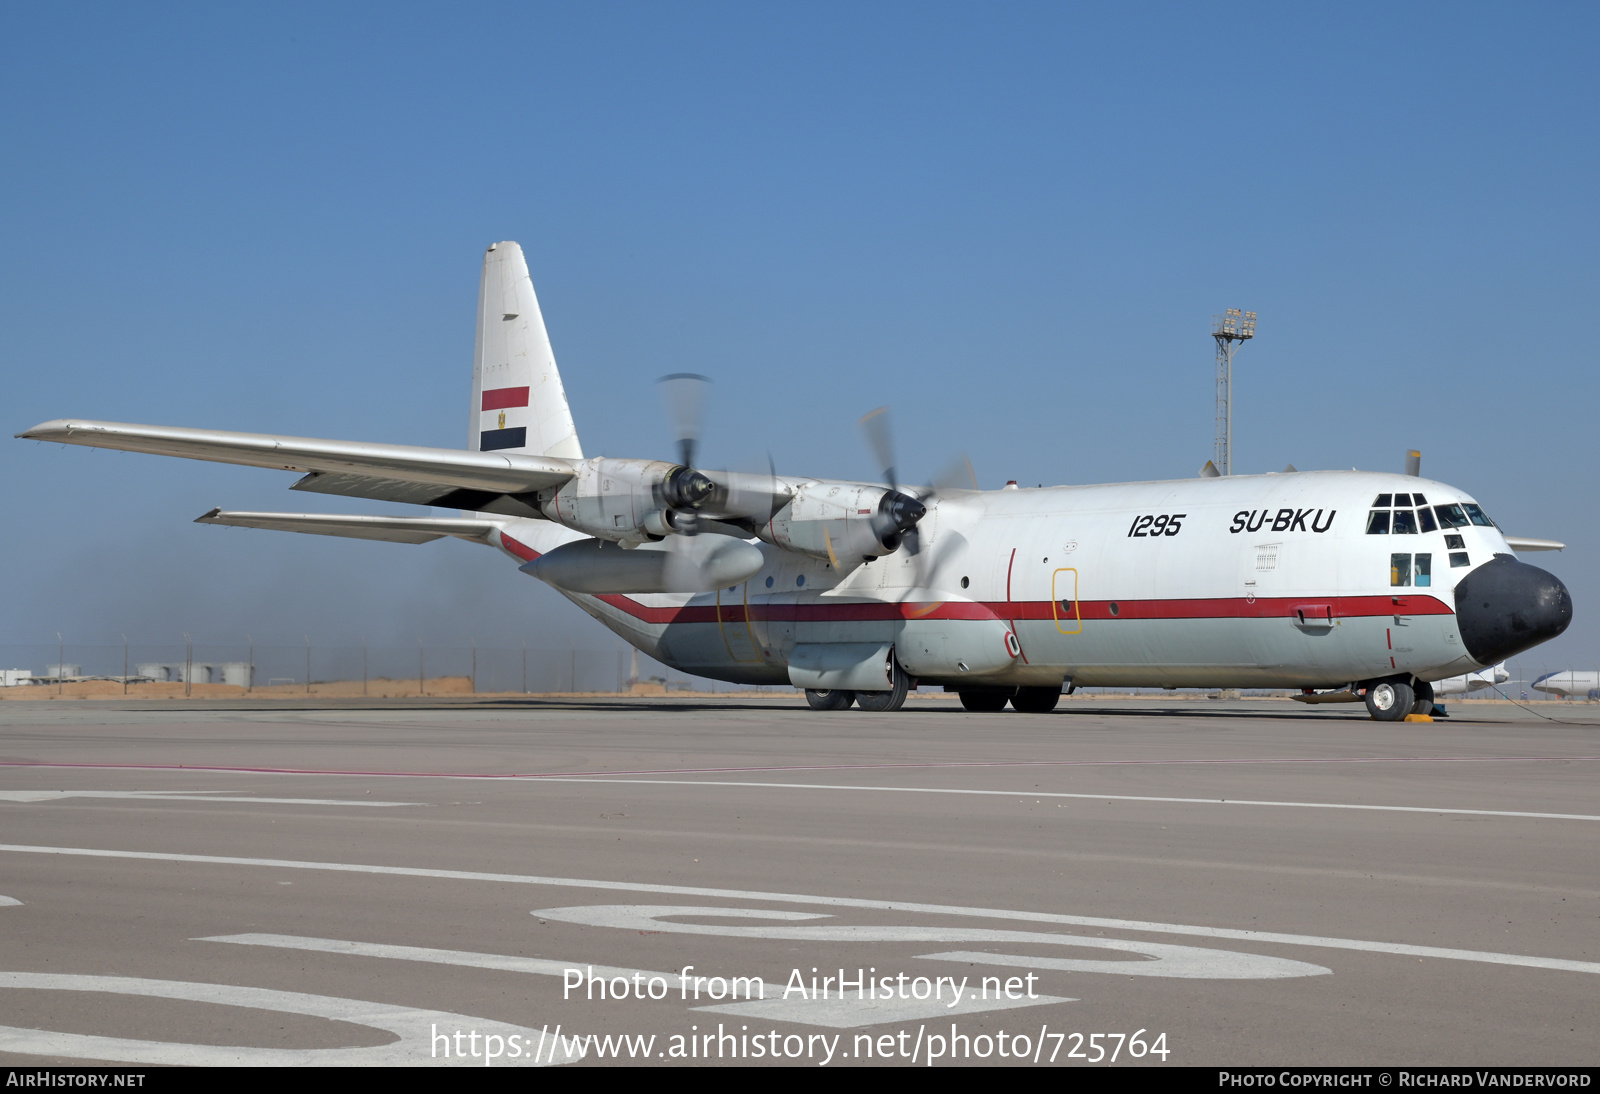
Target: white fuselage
{"points": [[1566, 684], [1262, 580]]}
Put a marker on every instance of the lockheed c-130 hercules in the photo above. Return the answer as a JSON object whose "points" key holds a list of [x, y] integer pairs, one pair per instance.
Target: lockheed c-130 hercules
{"points": [[1349, 586]]}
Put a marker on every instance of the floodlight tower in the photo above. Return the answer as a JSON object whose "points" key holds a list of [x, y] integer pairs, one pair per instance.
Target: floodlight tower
{"points": [[1228, 328]]}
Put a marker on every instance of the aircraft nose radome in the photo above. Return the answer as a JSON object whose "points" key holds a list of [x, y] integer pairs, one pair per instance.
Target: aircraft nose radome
{"points": [[1505, 606]]}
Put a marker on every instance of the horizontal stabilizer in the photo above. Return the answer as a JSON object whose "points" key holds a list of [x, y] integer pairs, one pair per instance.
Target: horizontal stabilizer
{"points": [[392, 529], [1524, 543], [495, 472]]}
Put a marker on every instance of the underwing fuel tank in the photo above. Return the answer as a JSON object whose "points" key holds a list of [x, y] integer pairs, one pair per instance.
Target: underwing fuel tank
{"points": [[680, 564]]}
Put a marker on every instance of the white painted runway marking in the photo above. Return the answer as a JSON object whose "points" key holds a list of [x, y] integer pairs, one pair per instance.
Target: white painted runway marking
{"points": [[32, 796], [516, 775], [413, 1028], [828, 1013], [9, 902], [1162, 959], [1149, 927], [1090, 797]]}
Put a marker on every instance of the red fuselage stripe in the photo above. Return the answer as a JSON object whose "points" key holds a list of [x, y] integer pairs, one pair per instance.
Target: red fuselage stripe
{"points": [[827, 611], [501, 398]]}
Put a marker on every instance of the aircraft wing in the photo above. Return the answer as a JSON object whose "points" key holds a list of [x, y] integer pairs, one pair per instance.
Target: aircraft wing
{"points": [[1524, 543], [455, 470], [393, 529]]}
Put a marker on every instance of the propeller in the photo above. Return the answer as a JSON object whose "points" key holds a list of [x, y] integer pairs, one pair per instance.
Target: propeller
{"points": [[686, 490], [684, 395], [717, 502], [898, 512]]}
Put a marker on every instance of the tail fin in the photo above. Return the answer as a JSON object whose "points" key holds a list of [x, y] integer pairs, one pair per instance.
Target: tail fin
{"points": [[518, 403]]}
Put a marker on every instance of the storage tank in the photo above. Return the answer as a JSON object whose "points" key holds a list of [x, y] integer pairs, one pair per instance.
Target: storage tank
{"points": [[63, 670], [193, 673], [153, 670], [237, 673]]}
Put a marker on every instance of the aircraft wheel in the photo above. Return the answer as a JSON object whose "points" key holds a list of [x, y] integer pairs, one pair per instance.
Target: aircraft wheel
{"points": [[984, 700], [1389, 700], [886, 700], [1035, 700], [1423, 703], [829, 700]]}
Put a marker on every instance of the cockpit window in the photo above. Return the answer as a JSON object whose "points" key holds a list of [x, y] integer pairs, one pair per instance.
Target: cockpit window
{"points": [[1405, 523], [1378, 522], [1399, 569], [1425, 518], [1402, 500], [1479, 517], [1384, 501], [1418, 500], [1451, 516]]}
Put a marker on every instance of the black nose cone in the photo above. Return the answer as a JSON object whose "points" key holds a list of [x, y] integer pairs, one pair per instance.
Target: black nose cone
{"points": [[1505, 606]]}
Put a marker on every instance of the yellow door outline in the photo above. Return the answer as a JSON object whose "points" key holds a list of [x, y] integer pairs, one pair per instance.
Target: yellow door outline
{"points": [[755, 646], [1057, 587]]}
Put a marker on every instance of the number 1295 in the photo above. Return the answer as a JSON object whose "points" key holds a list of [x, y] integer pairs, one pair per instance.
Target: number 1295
{"points": [[1167, 524]]}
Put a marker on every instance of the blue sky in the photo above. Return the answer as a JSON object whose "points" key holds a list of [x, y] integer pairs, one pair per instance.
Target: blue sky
{"points": [[1011, 222]]}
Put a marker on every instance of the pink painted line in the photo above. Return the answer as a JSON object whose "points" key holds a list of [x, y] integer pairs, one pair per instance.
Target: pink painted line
{"points": [[794, 767]]}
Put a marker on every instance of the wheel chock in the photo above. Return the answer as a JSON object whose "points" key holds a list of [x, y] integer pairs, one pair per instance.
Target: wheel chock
{"points": [[1419, 717]]}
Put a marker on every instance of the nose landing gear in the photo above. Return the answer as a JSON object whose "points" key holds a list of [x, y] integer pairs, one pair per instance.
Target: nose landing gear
{"points": [[1390, 700]]}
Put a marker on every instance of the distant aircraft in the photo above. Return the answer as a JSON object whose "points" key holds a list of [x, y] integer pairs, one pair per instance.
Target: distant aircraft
{"points": [[1369, 584], [1470, 682], [1569, 683]]}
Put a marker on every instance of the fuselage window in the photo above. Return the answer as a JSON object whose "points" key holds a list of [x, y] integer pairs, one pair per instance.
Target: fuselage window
{"points": [[1405, 523], [1479, 517], [1424, 570], [1451, 516], [1378, 522], [1399, 569], [1458, 558], [1384, 501], [1425, 518]]}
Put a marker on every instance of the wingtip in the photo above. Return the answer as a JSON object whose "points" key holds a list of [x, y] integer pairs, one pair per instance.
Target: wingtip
{"points": [[209, 516]]}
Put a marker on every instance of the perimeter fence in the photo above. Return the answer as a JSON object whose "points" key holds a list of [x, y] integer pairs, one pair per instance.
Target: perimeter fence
{"points": [[360, 669]]}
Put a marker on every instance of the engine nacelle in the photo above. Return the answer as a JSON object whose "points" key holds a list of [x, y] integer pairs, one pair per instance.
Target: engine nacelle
{"points": [[627, 501], [843, 523]]}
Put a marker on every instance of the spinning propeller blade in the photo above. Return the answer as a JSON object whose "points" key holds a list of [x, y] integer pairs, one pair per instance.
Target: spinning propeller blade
{"points": [[684, 395]]}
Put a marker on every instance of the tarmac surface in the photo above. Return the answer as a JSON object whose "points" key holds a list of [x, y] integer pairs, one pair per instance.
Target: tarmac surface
{"points": [[1197, 883]]}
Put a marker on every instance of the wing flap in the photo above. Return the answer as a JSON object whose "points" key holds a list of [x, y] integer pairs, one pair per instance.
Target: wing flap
{"points": [[420, 493], [391, 529], [496, 472]]}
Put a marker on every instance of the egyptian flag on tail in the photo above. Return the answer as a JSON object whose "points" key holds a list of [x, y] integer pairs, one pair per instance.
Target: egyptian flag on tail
{"points": [[518, 403]]}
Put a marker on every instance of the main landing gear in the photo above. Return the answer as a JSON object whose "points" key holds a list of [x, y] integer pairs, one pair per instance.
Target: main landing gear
{"points": [[1022, 700], [875, 701], [829, 700]]}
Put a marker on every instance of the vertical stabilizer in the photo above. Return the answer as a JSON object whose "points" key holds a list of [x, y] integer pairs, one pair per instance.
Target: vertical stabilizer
{"points": [[518, 403]]}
